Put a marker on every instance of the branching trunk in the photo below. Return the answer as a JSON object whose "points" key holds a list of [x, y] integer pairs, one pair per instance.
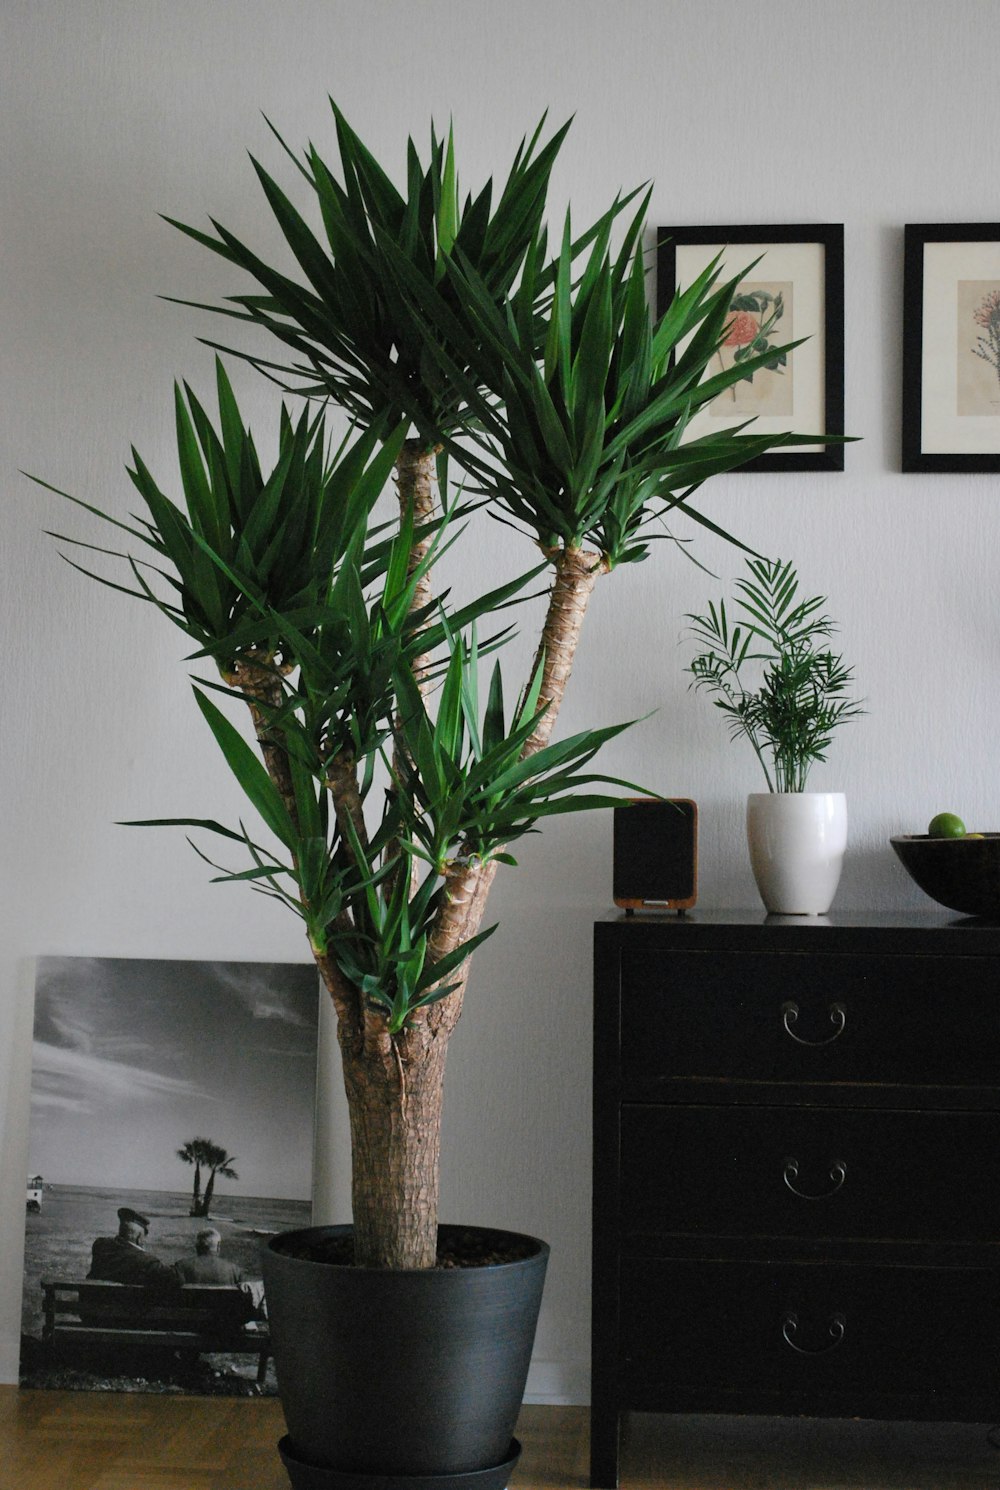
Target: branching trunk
{"points": [[395, 1086]]}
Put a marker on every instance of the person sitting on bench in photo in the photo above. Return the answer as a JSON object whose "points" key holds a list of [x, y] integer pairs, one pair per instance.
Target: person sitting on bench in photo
{"points": [[123, 1258], [207, 1266]]}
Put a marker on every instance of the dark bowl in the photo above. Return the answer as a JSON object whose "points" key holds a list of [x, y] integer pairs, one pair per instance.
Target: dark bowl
{"points": [[961, 873]]}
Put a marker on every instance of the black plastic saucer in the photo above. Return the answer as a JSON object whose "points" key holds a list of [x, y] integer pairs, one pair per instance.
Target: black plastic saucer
{"points": [[306, 1476]]}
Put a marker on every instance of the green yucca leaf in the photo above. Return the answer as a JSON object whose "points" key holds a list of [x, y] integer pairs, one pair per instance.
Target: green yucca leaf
{"points": [[590, 365], [197, 489], [447, 204], [353, 326]]}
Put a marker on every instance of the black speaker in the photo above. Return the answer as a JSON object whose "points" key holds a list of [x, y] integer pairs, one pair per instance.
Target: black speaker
{"points": [[656, 853]]}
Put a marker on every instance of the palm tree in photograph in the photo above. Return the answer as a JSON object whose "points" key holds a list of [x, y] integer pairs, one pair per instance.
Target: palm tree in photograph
{"points": [[195, 1152], [203, 1153], [217, 1162]]}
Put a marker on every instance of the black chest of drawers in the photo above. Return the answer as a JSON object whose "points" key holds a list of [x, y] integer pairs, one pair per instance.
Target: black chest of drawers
{"points": [[796, 1153]]}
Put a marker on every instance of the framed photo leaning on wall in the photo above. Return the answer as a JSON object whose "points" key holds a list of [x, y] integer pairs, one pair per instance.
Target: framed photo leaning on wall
{"points": [[794, 290], [951, 347]]}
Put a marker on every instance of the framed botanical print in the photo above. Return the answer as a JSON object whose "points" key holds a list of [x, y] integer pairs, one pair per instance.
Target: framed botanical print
{"points": [[793, 291], [951, 347]]}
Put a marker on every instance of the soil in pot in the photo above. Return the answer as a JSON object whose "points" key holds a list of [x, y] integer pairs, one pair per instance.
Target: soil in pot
{"points": [[469, 1247]]}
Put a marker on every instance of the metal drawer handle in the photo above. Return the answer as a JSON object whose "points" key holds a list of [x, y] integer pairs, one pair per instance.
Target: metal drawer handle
{"points": [[838, 1173], [838, 1018], [836, 1329]]}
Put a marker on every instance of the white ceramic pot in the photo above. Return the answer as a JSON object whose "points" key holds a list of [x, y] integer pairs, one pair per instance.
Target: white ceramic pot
{"points": [[797, 842]]}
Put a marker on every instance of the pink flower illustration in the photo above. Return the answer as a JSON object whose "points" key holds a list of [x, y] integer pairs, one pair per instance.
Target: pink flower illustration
{"points": [[988, 310], [742, 330], [987, 315]]}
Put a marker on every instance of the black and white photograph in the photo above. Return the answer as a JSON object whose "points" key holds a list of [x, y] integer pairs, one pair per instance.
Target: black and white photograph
{"points": [[171, 1133]]}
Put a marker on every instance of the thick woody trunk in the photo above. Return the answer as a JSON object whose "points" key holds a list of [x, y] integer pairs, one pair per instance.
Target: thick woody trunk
{"points": [[395, 1113], [395, 1092]]}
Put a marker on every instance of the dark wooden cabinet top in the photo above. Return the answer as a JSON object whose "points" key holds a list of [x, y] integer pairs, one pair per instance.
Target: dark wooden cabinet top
{"points": [[883, 932]]}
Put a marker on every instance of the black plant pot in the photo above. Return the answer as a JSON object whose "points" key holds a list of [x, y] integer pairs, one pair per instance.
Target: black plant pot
{"points": [[409, 1374]]}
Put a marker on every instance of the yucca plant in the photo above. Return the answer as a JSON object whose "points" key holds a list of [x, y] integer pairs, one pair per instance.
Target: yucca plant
{"points": [[391, 790], [798, 694]]}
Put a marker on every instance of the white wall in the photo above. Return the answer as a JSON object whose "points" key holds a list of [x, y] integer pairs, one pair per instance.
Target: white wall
{"points": [[117, 110]]}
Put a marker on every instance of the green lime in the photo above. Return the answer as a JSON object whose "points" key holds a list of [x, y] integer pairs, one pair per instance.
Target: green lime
{"points": [[946, 825]]}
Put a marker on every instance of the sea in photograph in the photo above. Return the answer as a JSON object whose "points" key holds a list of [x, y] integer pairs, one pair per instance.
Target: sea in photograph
{"points": [[59, 1237]]}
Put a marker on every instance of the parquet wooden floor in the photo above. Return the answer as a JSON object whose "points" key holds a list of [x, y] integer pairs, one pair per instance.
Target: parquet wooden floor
{"points": [[106, 1441]]}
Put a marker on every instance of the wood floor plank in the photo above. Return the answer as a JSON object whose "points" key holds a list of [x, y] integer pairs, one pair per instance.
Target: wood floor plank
{"points": [[111, 1441]]}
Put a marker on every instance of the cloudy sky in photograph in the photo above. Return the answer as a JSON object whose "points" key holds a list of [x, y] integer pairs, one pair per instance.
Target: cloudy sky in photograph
{"points": [[133, 1058]]}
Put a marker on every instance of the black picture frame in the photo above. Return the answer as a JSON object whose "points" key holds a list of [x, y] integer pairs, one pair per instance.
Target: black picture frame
{"points": [[828, 398], [947, 425]]}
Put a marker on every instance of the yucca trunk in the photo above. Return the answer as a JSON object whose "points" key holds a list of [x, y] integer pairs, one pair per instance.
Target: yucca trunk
{"points": [[395, 1095], [395, 1085], [415, 489], [395, 1109], [576, 573], [395, 1090]]}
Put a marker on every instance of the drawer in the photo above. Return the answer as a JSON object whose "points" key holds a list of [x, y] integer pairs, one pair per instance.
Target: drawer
{"points": [[810, 1172], [811, 1333], [690, 1016]]}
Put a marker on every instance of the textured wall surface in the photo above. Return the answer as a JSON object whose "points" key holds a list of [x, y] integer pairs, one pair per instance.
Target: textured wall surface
{"points": [[114, 112]]}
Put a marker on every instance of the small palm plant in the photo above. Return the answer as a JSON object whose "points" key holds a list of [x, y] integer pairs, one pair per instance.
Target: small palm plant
{"points": [[391, 788], [799, 696]]}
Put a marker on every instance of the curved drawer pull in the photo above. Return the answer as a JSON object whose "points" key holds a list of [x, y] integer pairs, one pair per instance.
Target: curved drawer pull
{"points": [[836, 1329], [838, 1018], [838, 1173]]}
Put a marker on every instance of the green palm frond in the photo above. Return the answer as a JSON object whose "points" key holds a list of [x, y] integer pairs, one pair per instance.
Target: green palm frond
{"points": [[240, 546], [799, 695], [349, 321], [472, 790], [586, 443]]}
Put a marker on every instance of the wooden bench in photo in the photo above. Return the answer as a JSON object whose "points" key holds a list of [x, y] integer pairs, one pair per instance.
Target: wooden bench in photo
{"points": [[197, 1319]]}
